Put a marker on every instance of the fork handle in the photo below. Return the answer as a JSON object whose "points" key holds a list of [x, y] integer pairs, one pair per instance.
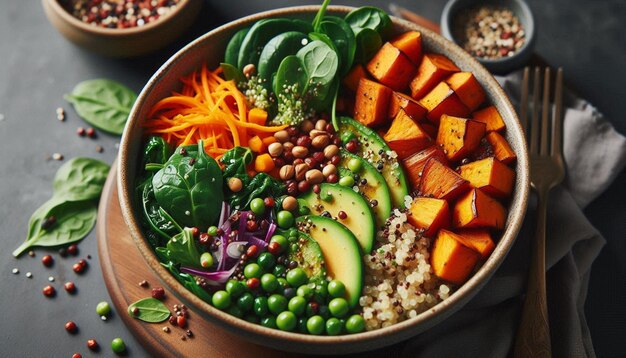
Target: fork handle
{"points": [[533, 334]]}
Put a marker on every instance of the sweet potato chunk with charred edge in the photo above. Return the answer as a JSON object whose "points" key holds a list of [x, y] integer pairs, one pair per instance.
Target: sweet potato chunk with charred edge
{"points": [[410, 43], [442, 100], [432, 69], [405, 136], [352, 78], [441, 182], [414, 164], [467, 88], [391, 67], [430, 214], [371, 103], [489, 175], [450, 259], [501, 148], [400, 101], [479, 240], [491, 117], [459, 136], [476, 209]]}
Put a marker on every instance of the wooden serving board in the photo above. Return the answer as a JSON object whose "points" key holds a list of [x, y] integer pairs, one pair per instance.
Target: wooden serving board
{"points": [[123, 268]]}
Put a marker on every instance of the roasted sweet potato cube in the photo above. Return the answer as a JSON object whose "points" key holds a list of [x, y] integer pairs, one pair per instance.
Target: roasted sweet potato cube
{"points": [[430, 128], [414, 164], [468, 89], [352, 78], [450, 259], [491, 117], [476, 209], [405, 136], [439, 181], [432, 69], [410, 43], [501, 148], [459, 136], [430, 214], [371, 103], [489, 175], [442, 100], [391, 67], [479, 240], [400, 101]]}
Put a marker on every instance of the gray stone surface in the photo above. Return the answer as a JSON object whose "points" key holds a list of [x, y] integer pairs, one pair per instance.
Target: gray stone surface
{"points": [[38, 66]]}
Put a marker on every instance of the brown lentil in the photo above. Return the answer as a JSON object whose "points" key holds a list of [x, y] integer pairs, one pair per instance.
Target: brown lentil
{"points": [[235, 184]]}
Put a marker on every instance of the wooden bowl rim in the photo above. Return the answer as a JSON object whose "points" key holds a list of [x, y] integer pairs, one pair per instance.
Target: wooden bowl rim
{"points": [[369, 339]]}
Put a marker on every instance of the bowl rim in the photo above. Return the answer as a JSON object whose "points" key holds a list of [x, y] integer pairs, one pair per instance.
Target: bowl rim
{"points": [[369, 339], [449, 12], [58, 9]]}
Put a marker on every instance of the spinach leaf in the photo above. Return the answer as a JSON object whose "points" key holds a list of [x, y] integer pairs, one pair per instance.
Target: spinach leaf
{"points": [[291, 79], [74, 220], [152, 215], [344, 40], [368, 41], [320, 15], [188, 280], [279, 47], [80, 179], [232, 73], [105, 104], [156, 151], [235, 161], [368, 17], [182, 249], [150, 309], [320, 63], [232, 49], [189, 188]]}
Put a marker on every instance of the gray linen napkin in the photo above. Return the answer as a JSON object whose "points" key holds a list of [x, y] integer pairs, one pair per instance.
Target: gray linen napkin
{"points": [[595, 154]]}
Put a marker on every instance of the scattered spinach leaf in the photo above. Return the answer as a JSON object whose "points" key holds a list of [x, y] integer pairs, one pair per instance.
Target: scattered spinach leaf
{"points": [[80, 179], [189, 187], [105, 104], [150, 309]]}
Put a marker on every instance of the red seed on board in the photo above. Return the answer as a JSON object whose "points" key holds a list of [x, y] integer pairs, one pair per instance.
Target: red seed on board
{"points": [[70, 287], [181, 321], [158, 293], [72, 249], [92, 344], [49, 291], [47, 260], [71, 327]]}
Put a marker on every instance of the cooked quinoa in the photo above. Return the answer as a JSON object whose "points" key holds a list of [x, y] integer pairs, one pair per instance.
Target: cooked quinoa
{"points": [[399, 282]]}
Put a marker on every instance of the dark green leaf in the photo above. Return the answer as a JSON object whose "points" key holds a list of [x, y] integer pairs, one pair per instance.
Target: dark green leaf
{"points": [[343, 38], [156, 151], [80, 179], [182, 249], [291, 79], [158, 223], [105, 104], [235, 161], [320, 14], [368, 17], [320, 63], [232, 73], [279, 47], [232, 49], [368, 41], [150, 309]]}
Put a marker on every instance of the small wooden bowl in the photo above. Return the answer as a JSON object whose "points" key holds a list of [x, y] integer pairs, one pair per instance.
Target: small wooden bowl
{"points": [[209, 49], [128, 42]]}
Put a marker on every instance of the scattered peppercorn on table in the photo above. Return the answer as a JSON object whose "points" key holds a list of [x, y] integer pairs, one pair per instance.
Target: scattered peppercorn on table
{"points": [[55, 306]]}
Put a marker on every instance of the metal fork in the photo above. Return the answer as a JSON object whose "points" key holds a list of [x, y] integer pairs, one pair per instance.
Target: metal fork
{"points": [[547, 170]]}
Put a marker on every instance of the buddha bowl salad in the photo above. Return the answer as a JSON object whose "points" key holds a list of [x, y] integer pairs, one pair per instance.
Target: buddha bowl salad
{"points": [[329, 177]]}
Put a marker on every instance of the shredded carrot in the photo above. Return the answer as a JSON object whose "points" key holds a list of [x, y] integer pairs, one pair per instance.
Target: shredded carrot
{"points": [[208, 108]]}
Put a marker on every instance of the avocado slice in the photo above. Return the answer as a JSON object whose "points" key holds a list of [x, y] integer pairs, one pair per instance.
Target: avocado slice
{"points": [[334, 198], [375, 187], [308, 256], [374, 149], [342, 253]]}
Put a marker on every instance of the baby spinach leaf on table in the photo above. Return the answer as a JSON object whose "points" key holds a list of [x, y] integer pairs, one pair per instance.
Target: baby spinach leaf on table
{"points": [[189, 188], [232, 49], [74, 220], [182, 249], [150, 309], [80, 179], [105, 104], [368, 17]]}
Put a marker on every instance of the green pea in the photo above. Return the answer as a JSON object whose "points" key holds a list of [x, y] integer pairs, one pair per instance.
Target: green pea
{"points": [[286, 321], [284, 219], [252, 270], [260, 306], [355, 324], [305, 291], [269, 322], [212, 231], [266, 261], [235, 288], [277, 303], [279, 270], [297, 277], [292, 232], [336, 288], [234, 310], [282, 282], [339, 307], [333, 326], [293, 239], [315, 325], [293, 247], [269, 283], [257, 205], [118, 345], [245, 302], [297, 305], [221, 300], [347, 180], [103, 308], [252, 319], [321, 292], [280, 239], [354, 165], [324, 311], [206, 260]]}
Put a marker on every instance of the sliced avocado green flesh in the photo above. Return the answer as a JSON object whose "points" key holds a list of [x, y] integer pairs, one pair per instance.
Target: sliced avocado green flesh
{"points": [[308, 256], [342, 254], [370, 146], [374, 189], [359, 219]]}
